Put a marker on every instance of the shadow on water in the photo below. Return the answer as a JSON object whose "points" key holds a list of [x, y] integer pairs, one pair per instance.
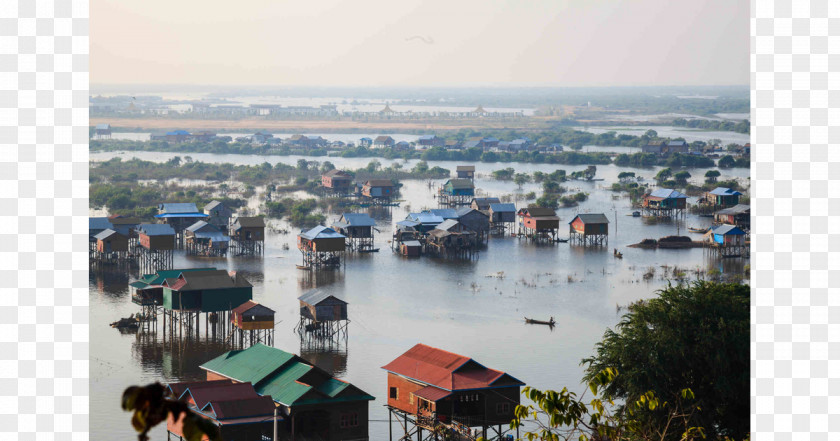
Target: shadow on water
{"points": [[111, 281], [308, 279], [332, 360], [177, 359]]}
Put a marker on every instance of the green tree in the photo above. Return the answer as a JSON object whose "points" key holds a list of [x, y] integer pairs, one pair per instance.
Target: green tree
{"points": [[327, 166], [626, 176], [565, 416], [692, 336], [663, 175], [682, 177], [520, 179], [652, 134], [551, 187], [373, 166], [302, 164], [421, 167], [712, 175], [726, 162]]}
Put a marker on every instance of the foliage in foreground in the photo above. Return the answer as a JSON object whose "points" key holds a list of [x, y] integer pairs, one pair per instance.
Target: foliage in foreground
{"points": [[693, 336], [565, 416], [151, 407]]}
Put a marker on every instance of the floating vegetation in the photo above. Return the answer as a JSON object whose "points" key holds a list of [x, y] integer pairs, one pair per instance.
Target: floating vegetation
{"points": [[497, 275]]}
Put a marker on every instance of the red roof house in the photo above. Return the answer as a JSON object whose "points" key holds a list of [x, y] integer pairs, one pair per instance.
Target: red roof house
{"points": [[442, 386]]}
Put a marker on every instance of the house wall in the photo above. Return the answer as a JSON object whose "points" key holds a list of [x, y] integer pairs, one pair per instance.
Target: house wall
{"points": [[116, 242], [405, 400], [157, 242], [332, 414]]}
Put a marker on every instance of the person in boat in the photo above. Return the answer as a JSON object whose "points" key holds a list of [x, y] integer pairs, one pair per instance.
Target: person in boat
{"points": [[551, 320]]}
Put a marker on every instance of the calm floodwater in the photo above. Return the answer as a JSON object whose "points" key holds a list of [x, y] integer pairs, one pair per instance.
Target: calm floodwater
{"points": [[395, 302]]}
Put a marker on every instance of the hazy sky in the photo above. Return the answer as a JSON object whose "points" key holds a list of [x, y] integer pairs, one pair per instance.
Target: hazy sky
{"points": [[369, 43]]}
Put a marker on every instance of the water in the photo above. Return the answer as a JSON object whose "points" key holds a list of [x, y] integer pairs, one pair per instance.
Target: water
{"points": [[396, 302]]}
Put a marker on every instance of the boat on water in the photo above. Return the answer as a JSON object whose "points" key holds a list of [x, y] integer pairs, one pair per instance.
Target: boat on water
{"points": [[369, 250], [637, 214], [130, 322], [551, 322], [562, 240], [698, 230], [302, 267]]}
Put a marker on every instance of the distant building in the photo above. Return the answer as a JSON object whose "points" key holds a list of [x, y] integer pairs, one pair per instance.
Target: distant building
{"points": [[102, 131], [337, 180], [723, 197], [431, 141], [218, 214], [378, 189], [465, 172], [177, 136], [383, 141], [483, 204], [739, 215]]}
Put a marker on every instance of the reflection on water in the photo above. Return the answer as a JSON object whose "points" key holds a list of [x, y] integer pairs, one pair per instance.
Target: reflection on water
{"points": [[475, 307]]}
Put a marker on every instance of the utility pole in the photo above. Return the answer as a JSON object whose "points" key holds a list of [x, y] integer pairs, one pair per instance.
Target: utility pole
{"points": [[275, 422]]}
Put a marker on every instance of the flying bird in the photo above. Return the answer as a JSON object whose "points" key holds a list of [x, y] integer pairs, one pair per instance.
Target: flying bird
{"points": [[427, 40]]}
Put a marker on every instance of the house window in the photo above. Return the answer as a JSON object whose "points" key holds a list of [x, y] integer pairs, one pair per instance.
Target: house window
{"points": [[502, 408], [349, 420], [393, 393]]}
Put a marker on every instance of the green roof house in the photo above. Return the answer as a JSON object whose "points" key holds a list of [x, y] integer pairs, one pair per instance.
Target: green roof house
{"points": [[316, 405]]}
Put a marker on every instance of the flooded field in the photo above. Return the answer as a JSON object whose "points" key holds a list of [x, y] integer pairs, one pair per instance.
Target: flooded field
{"points": [[473, 307]]}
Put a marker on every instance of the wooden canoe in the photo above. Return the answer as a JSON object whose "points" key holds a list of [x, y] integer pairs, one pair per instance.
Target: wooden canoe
{"points": [[540, 322], [302, 267]]}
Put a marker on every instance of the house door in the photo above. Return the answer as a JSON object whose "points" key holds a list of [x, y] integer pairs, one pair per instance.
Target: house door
{"points": [[312, 424]]}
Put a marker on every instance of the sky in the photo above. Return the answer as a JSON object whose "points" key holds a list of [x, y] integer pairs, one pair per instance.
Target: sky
{"points": [[575, 43]]}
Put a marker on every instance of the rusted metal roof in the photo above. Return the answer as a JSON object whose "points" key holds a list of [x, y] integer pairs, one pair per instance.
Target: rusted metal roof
{"points": [[465, 168], [253, 308], [445, 370], [432, 393], [539, 212], [242, 408]]}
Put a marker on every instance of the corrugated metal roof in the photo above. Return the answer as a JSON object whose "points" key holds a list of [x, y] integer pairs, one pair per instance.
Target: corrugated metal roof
{"points": [[486, 201], [243, 408], [177, 389], [253, 364], [232, 391], [160, 276], [380, 183], [727, 230], [407, 223], [332, 387], [463, 211], [337, 173], [99, 223], [211, 279], [250, 222], [316, 296], [738, 209], [676, 143], [460, 183], [444, 369], [445, 213], [168, 215], [283, 384], [104, 234], [199, 225], [178, 132], [358, 220], [103, 127], [721, 191], [592, 218], [465, 168], [503, 208], [667, 193], [425, 217], [177, 208], [412, 243], [212, 205], [432, 393], [540, 212], [253, 308], [447, 225], [321, 232], [156, 229]]}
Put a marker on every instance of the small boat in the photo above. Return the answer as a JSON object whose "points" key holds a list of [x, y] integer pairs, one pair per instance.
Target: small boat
{"points": [[130, 322], [369, 250], [562, 240], [637, 214], [540, 322], [698, 230], [302, 267], [616, 254]]}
